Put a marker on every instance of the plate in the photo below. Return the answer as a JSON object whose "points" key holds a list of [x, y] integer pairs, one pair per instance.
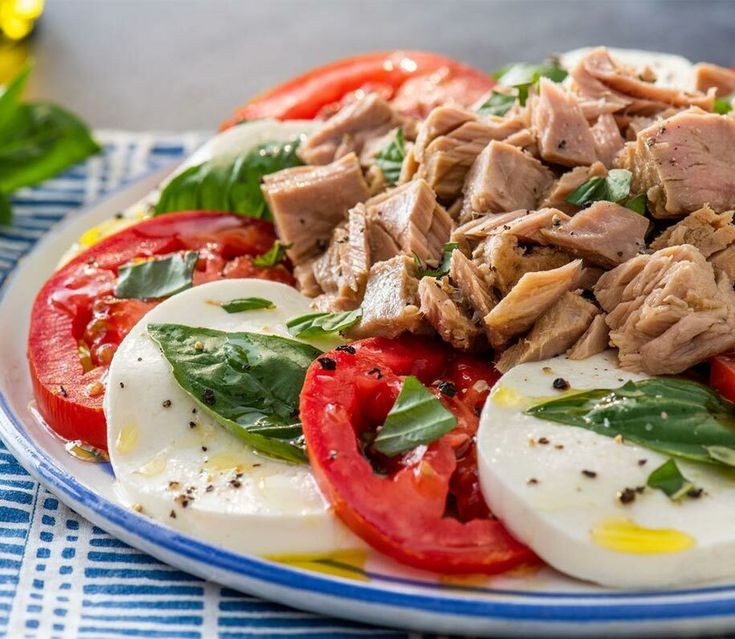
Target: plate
{"points": [[370, 589]]}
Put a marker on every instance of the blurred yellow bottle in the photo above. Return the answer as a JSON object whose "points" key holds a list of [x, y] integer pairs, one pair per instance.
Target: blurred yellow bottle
{"points": [[17, 17]]}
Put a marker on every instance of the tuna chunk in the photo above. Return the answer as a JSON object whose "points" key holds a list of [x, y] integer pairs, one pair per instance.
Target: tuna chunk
{"points": [[567, 183], [504, 178], [307, 203], [599, 77], [594, 340], [553, 333], [725, 261], [605, 234], [445, 159], [608, 141], [349, 129], [390, 306], [710, 76], [668, 311], [531, 227], [531, 297], [476, 230], [684, 163], [411, 216], [710, 232], [564, 135], [444, 313], [474, 284]]}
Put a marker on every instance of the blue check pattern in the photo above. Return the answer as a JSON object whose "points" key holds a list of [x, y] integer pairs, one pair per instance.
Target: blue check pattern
{"points": [[60, 576]]}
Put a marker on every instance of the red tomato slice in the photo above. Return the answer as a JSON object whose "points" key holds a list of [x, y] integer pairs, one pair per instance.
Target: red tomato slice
{"points": [[722, 375], [423, 508], [77, 323], [416, 80]]}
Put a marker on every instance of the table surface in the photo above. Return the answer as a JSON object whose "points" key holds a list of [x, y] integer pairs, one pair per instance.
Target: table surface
{"points": [[186, 64]]}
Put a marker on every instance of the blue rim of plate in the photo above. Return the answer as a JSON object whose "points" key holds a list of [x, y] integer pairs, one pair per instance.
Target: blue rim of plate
{"points": [[555, 607]]}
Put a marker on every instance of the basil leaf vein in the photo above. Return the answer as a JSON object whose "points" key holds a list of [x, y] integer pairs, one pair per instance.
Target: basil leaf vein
{"points": [[668, 479], [274, 255], [233, 185], [615, 187], [322, 324], [677, 417], [249, 383], [390, 159], [247, 304], [417, 417], [157, 277]]}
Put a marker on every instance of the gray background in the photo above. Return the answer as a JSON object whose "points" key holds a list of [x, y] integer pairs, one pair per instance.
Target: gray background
{"points": [[186, 64]]}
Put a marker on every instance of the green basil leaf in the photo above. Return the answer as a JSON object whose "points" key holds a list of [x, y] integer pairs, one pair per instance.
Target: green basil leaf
{"points": [[443, 268], [613, 188], [157, 277], [417, 417], [723, 105], [322, 324], [523, 76], [273, 255], [247, 304], [390, 159], [232, 185], [639, 204], [497, 104], [6, 212], [668, 479], [248, 382], [677, 417]]}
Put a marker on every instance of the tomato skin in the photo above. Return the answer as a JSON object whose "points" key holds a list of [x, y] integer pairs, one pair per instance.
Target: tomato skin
{"points": [[722, 375], [403, 511], [77, 305], [415, 79]]}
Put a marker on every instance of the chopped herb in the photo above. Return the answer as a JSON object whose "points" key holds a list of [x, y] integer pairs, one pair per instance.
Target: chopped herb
{"points": [[274, 255], [417, 417], [390, 158], [157, 277], [615, 187], [723, 105], [698, 423], [497, 104], [523, 76], [668, 479], [247, 304], [247, 382], [229, 185], [322, 324], [639, 204], [442, 269]]}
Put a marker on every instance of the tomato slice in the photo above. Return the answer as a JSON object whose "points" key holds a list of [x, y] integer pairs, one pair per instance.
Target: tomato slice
{"points": [[416, 80], [722, 375], [423, 508], [77, 323]]}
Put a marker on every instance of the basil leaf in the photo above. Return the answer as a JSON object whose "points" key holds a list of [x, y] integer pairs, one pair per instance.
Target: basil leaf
{"points": [[157, 277], [497, 104], [639, 204], [613, 188], [668, 479], [723, 105], [233, 185], [677, 417], [390, 159], [321, 324], [417, 417], [247, 304], [248, 382], [523, 76], [273, 255], [443, 268]]}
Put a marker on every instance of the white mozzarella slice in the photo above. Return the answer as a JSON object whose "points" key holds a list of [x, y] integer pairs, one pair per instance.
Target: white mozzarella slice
{"points": [[531, 471], [671, 70], [182, 468]]}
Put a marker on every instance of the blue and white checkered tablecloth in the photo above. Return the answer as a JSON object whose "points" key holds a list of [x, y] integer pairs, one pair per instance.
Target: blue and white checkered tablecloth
{"points": [[60, 576]]}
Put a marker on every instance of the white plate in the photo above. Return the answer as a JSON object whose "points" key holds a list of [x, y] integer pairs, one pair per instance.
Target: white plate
{"points": [[374, 590]]}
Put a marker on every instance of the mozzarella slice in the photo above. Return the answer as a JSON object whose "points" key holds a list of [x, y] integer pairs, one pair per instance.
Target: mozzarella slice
{"points": [[185, 470], [576, 522], [671, 70]]}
